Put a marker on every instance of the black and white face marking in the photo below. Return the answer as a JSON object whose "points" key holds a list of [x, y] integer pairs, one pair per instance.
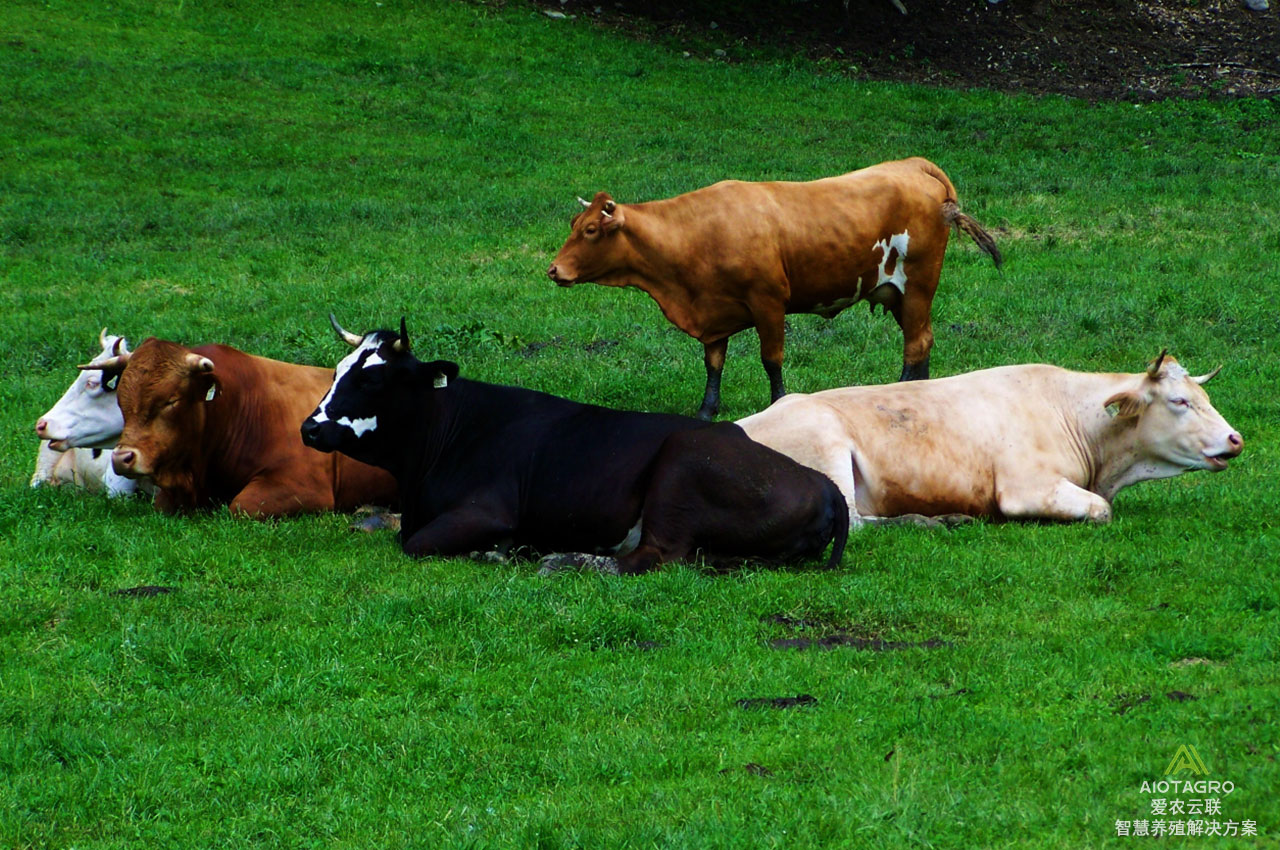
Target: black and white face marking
{"points": [[365, 356]]}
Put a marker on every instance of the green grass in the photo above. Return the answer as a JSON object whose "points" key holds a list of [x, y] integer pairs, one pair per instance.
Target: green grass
{"points": [[232, 172]]}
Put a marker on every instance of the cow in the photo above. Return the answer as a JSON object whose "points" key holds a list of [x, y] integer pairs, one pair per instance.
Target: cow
{"points": [[737, 255], [1015, 442], [213, 425], [77, 433], [482, 466]]}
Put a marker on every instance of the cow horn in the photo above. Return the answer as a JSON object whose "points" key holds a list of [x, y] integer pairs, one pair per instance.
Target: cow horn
{"points": [[197, 363], [346, 336], [585, 203], [1204, 379], [102, 338], [1154, 369], [111, 364], [606, 215], [401, 345]]}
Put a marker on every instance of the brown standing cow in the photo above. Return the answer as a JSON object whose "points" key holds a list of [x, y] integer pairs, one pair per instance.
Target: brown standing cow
{"points": [[737, 255], [213, 425]]}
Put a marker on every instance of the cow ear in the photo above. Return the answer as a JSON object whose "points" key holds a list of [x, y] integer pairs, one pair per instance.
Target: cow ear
{"points": [[1125, 405], [611, 217], [443, 373]]}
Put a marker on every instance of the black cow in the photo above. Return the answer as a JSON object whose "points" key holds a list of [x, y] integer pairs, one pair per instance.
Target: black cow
{"points": [[482, 466]]}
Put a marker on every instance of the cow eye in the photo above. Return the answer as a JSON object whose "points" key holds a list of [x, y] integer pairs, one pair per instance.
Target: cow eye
{"points": [[1179, 402], [91, 385], [591, 230]]}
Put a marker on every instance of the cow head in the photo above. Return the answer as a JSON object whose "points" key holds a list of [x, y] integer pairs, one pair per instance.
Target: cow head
{"points": [[1176, 427], [592, 249], [87, 415], [164, 394], [373, 388]]}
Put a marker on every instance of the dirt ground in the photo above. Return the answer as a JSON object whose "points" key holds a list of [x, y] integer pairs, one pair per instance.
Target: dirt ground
{"points": [[1097, 49]]}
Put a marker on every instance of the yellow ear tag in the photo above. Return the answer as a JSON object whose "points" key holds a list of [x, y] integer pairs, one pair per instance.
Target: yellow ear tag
{"points": [[441, 381], [1112, 410], [213, 391]]}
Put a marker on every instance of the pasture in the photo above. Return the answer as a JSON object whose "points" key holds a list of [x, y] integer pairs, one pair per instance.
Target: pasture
{"points": [[234, 171]]}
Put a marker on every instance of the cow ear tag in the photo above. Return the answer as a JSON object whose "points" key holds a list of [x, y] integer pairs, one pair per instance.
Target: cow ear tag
{"points": [[213, 391], [441, 381]]}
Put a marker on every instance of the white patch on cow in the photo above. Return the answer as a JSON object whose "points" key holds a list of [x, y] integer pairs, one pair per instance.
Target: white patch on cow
{"points": [[1176, 370], [343, 367], [896, 242], [630, 542], [359, 426], [375, 359]]}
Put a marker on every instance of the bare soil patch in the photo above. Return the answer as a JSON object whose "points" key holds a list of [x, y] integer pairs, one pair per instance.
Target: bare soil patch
{"points": [[1096, 49]]}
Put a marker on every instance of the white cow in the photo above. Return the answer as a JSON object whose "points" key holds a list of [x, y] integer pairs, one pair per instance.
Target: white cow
{"points": [[84, 422], [1016, 442]]}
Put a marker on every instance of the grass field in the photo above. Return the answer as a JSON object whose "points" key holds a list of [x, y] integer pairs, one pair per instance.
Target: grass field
{"points": [[233, 171]]}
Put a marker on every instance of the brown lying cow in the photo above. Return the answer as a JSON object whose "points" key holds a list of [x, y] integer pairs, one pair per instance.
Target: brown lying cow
{"points": [[738, 255], [213, 425], [1017, 442]]}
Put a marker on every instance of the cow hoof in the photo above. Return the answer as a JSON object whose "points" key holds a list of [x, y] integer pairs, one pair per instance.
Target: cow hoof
{"points": [[552, 564], [377, 521], [490, 557], [952, 520]]}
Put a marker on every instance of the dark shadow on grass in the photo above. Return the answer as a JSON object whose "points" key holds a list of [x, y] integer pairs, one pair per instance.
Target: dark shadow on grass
{"points": [[144, 590]]}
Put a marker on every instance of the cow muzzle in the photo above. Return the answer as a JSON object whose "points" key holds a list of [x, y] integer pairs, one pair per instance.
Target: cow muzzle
{"points": [[316, 436], [559, 277], [127, 462], [42, 431], [1218, 461], [310, 433]]}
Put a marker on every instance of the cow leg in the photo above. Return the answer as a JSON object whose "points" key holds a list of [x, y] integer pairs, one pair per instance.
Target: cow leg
{"points": [[1063, 501], [913, 315], [46, 460], [642, 560], [713, 355], [267, 497], [771, 326], [458, 532]]}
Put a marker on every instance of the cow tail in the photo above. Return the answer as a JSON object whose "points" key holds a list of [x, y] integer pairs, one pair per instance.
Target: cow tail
{"points": [[968, 224], [841, 535]]}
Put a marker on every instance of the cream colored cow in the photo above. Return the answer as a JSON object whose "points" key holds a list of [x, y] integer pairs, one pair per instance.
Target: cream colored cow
{"points": [[77, 434], [1016, 442]]}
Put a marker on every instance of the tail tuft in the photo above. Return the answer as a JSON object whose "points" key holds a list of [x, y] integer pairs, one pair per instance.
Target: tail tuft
{"points": [[968, 224]]}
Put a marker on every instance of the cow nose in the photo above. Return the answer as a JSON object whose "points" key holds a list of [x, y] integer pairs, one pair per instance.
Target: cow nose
{"points": [[42, 429], [123, 461], [551, 272], [310, 431], [1236, 441]]}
